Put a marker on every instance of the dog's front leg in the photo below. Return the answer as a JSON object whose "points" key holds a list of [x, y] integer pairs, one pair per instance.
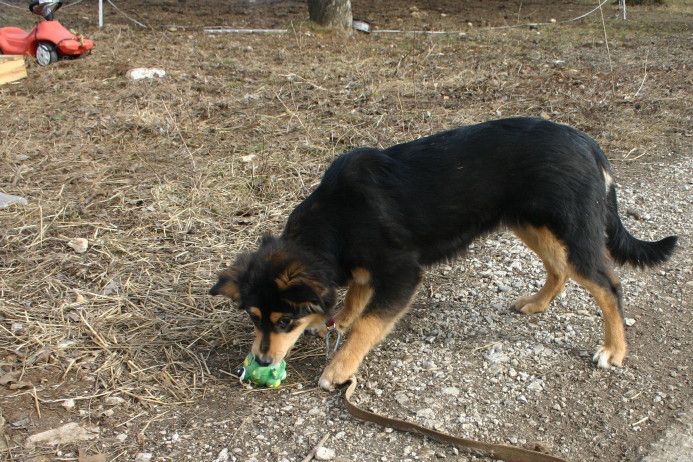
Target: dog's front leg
{"points": [[385, 309], [366, 332]]}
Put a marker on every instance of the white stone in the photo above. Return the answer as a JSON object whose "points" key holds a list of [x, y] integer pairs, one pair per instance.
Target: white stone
{"points": [[7, 199], [223, 456], [140, 73], [324, 453], [452, 391], [113, 401], [68, 404], [67, 434]]}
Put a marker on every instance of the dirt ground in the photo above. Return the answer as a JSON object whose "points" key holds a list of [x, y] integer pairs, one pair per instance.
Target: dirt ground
{"points": [[169, 179]]}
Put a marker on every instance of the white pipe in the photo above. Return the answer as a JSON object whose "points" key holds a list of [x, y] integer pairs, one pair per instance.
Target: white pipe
{"points": [[222, 30], [100, 14]]}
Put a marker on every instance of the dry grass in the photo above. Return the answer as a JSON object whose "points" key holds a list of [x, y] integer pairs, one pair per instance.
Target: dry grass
{"points": [[168, 180]]}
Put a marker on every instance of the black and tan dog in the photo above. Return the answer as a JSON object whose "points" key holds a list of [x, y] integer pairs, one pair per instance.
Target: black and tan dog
{"points": [[379, 216]]}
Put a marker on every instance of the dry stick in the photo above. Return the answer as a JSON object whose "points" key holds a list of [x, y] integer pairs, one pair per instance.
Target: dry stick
{"points": [[312, 453], [289, 111], [644, 76], [606, 41], [36, 402]]}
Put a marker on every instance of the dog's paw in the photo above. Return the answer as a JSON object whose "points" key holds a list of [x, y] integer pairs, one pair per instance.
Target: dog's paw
{"points": [[607, 357], [333, 376], [528, 305]]}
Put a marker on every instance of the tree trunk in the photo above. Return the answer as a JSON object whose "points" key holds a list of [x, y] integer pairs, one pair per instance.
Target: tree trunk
{"points": [[331, 13]]}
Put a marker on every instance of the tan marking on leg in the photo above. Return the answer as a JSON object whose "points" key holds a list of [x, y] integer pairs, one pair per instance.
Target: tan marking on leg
{"points": [[368, 331], [357, 298], [554, 256], [614, 349], [361, 276]]}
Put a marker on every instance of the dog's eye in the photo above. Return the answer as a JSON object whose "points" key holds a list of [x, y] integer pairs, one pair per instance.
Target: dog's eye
{"points": [[254, 318], [283, 324]]}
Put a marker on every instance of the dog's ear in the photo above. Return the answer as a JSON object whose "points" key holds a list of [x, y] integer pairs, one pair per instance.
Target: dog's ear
{"points": [[299, 289], [228, 283]]}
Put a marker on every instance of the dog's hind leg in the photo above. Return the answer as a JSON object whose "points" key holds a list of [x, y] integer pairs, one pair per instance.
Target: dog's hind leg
{"points": [[390, 301], [554, 256], [604, 286]]}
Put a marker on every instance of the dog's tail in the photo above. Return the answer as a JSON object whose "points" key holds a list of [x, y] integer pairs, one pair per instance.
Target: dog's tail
{"points": [[625, 248]]}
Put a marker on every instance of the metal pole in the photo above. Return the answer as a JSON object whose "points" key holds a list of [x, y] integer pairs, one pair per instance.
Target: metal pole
{"points": [[623, 5], [100, 14]]}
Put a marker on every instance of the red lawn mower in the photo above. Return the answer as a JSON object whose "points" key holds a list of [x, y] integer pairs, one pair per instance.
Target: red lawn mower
{"points": [[48, 42]]}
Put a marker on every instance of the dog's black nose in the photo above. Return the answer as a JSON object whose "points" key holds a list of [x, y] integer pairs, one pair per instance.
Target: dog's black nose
{"points": [[262, 361]]}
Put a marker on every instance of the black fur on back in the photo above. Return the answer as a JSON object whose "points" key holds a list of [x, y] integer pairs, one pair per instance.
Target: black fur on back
{"points": [[426, 200]]}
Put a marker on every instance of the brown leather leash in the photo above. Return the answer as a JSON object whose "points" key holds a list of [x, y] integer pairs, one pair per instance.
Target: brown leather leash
{"points": [[498, 451]]}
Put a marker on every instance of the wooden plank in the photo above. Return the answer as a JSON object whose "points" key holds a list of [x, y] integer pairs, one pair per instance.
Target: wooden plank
{"points": [[12, 68]]}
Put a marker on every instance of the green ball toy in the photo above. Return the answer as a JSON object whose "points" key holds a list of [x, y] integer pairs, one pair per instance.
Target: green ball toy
{"points": [[267, 376]]}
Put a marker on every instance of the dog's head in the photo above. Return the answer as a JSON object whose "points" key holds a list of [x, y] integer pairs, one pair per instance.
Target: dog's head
{"points": [[283, 291]]}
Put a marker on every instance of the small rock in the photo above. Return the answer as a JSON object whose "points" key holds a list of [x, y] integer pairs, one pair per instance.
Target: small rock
{"points": [[426, 413], [7, 199], [248, 158], [67, 434], [68, 404], [316, 411], [121, 437], [140, 73], [324, 453], [223, 456], [629, 321], [78, 244], [536, 385], [429, 365], [452, 391], [143, 457], [113, 401]]}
